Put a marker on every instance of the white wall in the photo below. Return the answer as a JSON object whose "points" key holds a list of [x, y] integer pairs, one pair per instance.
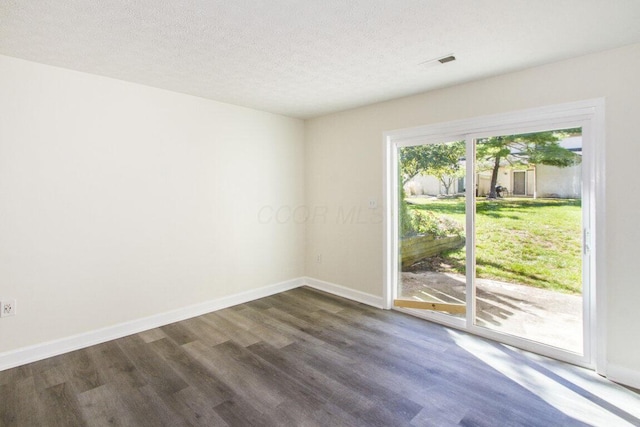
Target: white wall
{"points": [[344, 163], [427, 185], [120, 201], [553, 181]]}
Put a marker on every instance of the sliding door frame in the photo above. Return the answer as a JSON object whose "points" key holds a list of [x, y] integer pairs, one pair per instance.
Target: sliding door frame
{"points": [[586, 114]]}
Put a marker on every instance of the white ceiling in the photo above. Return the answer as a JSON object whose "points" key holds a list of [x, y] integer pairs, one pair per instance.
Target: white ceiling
{"points": [[305, 58]]}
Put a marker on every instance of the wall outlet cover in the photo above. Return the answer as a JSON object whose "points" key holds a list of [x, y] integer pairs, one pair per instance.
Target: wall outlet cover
{"points": [[7, 307]]}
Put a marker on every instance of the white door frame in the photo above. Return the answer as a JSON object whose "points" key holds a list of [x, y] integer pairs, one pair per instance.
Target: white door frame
{"points": [[587, 114]]}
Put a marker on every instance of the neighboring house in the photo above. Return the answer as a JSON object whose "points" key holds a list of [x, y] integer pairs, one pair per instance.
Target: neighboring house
{"points": [[536, 181], [533, 181]]}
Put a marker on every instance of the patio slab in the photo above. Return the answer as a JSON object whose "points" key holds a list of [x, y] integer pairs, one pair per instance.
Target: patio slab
{"points": [[549, 317]]}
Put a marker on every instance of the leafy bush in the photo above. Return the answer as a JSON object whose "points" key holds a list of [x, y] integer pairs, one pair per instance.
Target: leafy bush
{"points": [[414, 222]]}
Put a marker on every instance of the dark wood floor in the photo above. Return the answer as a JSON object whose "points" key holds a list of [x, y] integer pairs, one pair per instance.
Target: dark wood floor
{"points": [[300, 358]]}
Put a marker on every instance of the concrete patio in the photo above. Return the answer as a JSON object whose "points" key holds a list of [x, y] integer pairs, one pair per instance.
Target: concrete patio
{"points": [[549, 317]]}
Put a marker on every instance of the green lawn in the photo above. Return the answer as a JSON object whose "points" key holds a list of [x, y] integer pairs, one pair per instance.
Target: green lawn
{"points": [[526, 241]]}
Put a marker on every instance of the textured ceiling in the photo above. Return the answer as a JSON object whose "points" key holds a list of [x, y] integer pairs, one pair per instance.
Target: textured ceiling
{"points": [[305, 58]]}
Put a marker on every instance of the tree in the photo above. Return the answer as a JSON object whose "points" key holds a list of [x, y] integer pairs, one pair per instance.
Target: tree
{"points": [[445, 162], [439, 160], [412, 162], [522, 150]]}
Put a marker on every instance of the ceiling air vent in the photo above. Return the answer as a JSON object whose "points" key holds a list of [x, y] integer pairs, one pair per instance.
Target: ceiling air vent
{"points": [[447, 59], [439, 60]]}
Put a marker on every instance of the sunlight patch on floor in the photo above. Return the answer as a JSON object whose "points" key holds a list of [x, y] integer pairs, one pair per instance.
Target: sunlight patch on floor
{"points": [[577, 392]]}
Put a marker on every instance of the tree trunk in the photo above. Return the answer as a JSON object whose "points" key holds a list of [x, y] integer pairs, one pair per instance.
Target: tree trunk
{"points": [[446, 183], [494, 178]]}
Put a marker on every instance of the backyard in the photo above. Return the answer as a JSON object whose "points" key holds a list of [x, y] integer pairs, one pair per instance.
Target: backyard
{"points": [[535, 242]]}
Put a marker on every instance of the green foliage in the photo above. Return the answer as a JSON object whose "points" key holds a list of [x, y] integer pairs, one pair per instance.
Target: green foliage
{"points": [[405, 219], [439, 160], [536, 242], [553, 155], [428, 223], [412, 161], [523, 150], [424, 222], [528, 148]]}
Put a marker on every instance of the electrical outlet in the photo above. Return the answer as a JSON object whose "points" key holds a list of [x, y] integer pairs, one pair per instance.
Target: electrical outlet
{"points": [[7, 308], [319, 259]]}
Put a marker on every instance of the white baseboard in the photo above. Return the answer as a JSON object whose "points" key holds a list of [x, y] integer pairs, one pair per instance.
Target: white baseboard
{"points": [[37, 352], [623, 375], [33, 353], [348, 293]]}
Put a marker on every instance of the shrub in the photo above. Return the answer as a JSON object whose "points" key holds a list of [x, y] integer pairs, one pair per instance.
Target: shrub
{"points": [[424, 222]]}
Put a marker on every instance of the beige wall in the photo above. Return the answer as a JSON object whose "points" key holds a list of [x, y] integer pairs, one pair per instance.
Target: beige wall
{"points": [[344, 167], [120, 201]]}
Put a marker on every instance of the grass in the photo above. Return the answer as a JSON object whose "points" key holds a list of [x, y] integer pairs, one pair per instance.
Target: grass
{"points": [[525, 241]]}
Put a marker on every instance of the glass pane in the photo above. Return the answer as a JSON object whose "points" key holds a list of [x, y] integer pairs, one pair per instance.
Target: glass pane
{"points": [[529, 236], [432, 226]]}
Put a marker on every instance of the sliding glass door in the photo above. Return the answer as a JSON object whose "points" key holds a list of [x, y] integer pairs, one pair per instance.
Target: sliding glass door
{"points": [[529, 258], [431, 222], [491, 234]]}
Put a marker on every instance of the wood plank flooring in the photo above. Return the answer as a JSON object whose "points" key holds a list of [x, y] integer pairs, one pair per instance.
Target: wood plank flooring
{"points": [[306, 358]]}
